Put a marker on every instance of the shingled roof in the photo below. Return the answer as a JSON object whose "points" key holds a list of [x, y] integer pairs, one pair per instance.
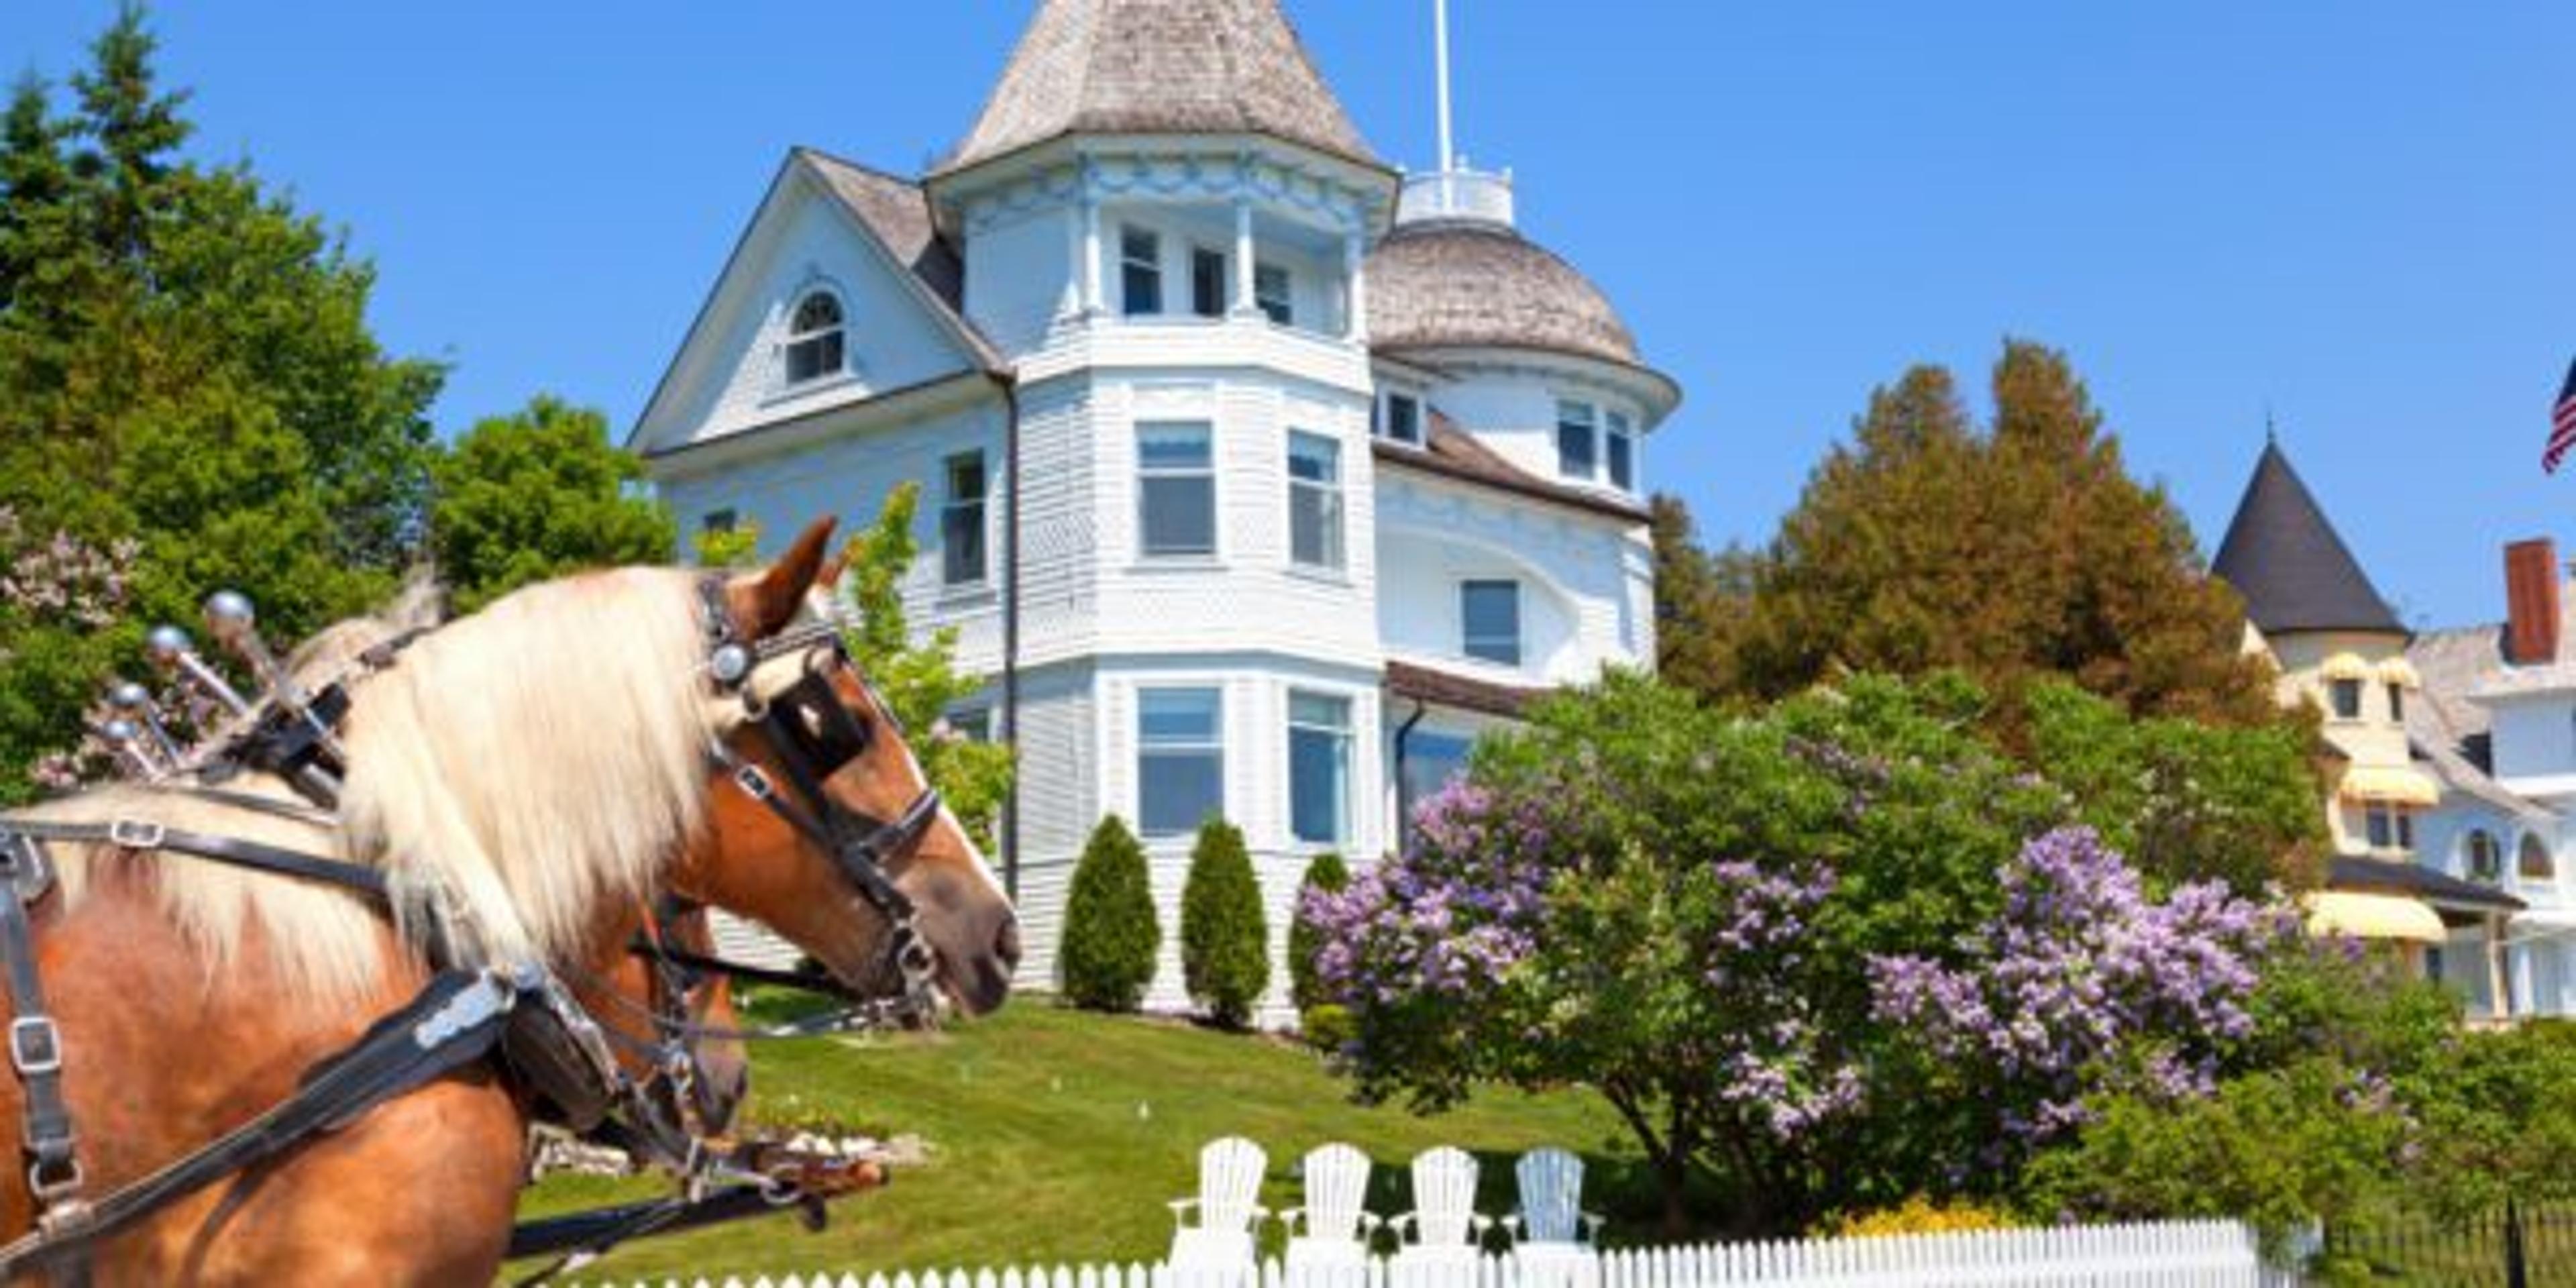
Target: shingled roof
{"points": [[2284, 556], [1469, 284], [898, 214], [1159, 67]]}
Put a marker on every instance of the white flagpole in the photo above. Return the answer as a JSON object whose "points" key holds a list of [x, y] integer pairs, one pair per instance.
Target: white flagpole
{"points": [[1440, 44]]}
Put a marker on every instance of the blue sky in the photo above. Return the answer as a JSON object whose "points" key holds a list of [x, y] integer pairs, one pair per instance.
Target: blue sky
{"points": [[2361, 215]]}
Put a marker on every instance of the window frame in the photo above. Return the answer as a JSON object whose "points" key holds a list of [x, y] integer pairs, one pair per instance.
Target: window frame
{"points": [[2387, 827], [2336, 692], [2396, 702], [972, 722], [953, 507], [1589, 422], [2482, 863], [1345, 741], [1619, 450], [1467, 639], [1210, 745], [1205, 473], [2522, 852], [1135, 269], [832, 338], [1386, 424], [1280, 307], [1332, 511]]}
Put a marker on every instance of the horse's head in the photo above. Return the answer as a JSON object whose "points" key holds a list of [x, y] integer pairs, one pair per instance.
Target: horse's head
{"points": [[822, 824]]}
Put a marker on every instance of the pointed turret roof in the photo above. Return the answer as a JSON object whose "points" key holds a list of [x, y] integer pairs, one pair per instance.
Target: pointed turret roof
{"points": [[2285, 558], [1159, 67]]}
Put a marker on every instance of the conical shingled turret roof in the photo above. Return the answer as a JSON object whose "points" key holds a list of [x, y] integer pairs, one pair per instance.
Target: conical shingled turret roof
{"points": [[2294, 571], [1159, 67]]}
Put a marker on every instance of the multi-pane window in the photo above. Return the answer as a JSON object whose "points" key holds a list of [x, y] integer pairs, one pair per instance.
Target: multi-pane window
{"points": [[961, 520], [1180, 759], [1623, 454], [2388, 826], [1270, 291], [1574, 445], [1140, 272], [1319, 767], [1314, 500], [1175, 488], [1429, 761], [2346, 697], [814, 338], [1489, 614], [1207, 282], [1401, 419]]}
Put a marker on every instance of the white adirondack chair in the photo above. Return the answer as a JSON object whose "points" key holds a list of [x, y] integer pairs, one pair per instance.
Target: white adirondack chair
{"points": [[1227, 1208], [1443, 1223], [1552, 1234], [1336, 1220]]}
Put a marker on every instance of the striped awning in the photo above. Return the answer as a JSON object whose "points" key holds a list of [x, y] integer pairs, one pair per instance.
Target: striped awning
{"points": [[2389, 784], [2374, 916], [2400, 672], [2345, 666]]}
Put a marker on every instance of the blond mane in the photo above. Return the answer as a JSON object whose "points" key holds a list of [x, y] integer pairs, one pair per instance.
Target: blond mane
{"points": [[507, 773]]}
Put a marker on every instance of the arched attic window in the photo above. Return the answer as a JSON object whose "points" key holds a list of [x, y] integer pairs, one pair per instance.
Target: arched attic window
{"points": [[2532, 861], [2483, 856], [814, 337]]}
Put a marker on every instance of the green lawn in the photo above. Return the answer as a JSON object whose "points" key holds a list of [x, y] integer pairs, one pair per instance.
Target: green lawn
{"points": [[1058, 1137]]}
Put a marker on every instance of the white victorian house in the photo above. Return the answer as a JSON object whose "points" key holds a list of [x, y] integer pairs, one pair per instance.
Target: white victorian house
{"points": [[1257, 477]]}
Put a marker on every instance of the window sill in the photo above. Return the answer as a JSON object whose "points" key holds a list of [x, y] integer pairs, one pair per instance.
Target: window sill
{"points": [[966, 594], [1151, 564], [1336, 577]]}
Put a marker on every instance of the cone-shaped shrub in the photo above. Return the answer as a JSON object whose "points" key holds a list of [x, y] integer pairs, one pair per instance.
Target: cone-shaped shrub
{"points": [[1225, 941], [1110, 934], [1329, 874]]}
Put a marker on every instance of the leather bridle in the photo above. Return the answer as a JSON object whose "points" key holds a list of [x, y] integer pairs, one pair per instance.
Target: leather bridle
{"points": [[811, 735]]}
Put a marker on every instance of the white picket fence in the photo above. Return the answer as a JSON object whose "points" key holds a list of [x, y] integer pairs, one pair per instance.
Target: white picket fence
{"points": [[2185, 1254]]}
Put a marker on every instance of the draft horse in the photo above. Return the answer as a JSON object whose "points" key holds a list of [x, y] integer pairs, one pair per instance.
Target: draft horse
{"points": [[520, 784]]}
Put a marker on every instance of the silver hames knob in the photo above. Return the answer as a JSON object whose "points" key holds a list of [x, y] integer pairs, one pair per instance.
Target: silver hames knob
{"points": [[120, 730], [129, 696], [167, 644], [229, 615]]}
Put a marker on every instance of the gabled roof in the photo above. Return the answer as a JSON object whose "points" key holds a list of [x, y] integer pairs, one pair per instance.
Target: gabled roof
{"points": [[1454, 453], [2283, 555], [897, 212], [1159, 67]]}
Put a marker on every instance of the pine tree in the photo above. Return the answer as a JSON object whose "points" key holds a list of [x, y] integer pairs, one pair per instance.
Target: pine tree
{"points": [[1225, 939], [1110, 932], [1326, 873], [1703, 603]]}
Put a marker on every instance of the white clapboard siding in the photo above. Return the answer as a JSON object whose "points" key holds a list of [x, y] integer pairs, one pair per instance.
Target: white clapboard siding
{"points": [[2179, 1254], [750, 942]]}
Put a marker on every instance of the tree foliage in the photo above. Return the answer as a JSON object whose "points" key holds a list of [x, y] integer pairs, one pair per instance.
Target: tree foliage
{"points": [[537, 495], [1702, 603], [1225, 937], [1111, 934], [919, 681], [1329, 875], [2019, 551], [186, 371]]}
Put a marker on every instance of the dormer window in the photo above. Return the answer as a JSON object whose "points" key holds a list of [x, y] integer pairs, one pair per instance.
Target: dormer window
{"points": [[814, 338]]}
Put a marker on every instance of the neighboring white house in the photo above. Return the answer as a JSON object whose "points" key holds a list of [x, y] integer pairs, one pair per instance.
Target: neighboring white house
{"points": [[1259, 477], [2499, 726]]}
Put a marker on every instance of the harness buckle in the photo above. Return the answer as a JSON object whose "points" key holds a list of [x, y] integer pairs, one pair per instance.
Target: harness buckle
{"points": [[51, 1183], [136, 833], [755, 783], [35, 1045]]}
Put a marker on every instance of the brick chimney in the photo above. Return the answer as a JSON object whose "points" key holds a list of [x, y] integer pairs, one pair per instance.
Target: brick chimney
{"points": [[2531, 597]]}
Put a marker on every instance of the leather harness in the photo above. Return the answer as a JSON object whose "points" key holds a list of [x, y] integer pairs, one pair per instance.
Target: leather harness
{"points": [[547, 1041]]}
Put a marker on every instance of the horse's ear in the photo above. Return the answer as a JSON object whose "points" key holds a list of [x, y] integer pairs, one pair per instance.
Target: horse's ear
{"points": [[765, 602]]}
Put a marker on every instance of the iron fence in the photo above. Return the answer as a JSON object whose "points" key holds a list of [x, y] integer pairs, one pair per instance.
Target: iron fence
{"points": [[2513, 1247]]}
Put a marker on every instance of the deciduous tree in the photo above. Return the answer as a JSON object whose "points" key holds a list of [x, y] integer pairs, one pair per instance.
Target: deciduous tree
{"points": [[539, 494]]}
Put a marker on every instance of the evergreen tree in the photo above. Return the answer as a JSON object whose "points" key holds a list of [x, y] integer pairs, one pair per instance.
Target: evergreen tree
{"points": [[1703, 603], [1327, 874], [537, 495], [186, 373], [2015, 554], [1110, 931], [1225, 938]]}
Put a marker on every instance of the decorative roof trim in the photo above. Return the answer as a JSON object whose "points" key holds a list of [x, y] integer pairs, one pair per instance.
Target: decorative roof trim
{"points": [[1453, 454]]}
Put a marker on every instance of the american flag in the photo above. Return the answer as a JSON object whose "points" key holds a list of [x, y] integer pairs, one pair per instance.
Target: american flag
{"points": [[2562, 425]]}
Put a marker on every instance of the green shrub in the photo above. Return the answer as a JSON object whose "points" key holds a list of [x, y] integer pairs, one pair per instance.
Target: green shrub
{"points": [[1327, 1028], [1225, 949], [1327, 872], [1110, 932]]}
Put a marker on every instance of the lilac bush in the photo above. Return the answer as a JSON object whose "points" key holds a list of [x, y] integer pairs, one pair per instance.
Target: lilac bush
{"points": [[2083, 984]]}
